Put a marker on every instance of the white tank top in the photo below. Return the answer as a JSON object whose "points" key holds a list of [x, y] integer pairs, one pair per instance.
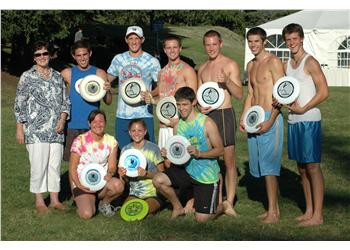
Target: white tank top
{"points": [[307, 92]]}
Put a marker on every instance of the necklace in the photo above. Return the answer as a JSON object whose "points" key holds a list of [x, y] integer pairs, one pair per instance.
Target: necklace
{"points": [[44, 73], [297, 61]]}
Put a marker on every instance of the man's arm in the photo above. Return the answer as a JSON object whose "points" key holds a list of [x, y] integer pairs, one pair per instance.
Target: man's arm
{"points": [[191, 78], [216, 146], [249, 99], [233, 80], [313, 68], [108, 98]]}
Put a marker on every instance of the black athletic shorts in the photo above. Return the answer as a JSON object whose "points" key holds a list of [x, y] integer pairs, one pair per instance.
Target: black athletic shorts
{"points": [[205, 195], [225, 119]]}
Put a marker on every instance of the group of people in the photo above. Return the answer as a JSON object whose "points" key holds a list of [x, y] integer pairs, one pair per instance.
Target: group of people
{"points": [[50, 113]]}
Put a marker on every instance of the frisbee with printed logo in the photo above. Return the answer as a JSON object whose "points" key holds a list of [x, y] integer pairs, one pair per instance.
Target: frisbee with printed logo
{"points": [[286, 90], [176, 148], [77, 85], [166, 108], [209, 94], [92, 176], [253, 117], [133, 210], [131, 159], [91, 88], [131, 90]]}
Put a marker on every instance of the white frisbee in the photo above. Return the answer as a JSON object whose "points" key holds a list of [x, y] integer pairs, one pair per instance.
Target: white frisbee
{"points": [[91, 88], [286, 90], [252, 117], [176, 148], [77, 85], [92, 176], [166, 108], [131, 90], [209, 94], [131, 159]]}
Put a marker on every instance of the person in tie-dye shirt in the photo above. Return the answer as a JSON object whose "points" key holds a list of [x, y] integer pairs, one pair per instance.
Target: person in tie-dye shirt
{"points": [[201, 172], [141, 187], [95, 146]]}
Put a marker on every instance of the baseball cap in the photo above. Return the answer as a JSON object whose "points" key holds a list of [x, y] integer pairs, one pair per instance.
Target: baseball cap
{"points": [[134, 29]]}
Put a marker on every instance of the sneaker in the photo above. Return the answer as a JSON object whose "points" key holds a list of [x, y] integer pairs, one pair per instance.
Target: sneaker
{"points": [[106, 209]]}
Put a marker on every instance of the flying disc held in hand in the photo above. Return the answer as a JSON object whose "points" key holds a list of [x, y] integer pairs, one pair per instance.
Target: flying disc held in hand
{"points": [[209, 94], [166, 108], [286, 90], [176, 148], [252, 117], [91, 88], [131, 90], [92, 176], [131, 159]]}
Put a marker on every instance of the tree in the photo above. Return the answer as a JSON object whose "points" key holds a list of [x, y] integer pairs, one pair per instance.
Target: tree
{"points": [[21, 28]]}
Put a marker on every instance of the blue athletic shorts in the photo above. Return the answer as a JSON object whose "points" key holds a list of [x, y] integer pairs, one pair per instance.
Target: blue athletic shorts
{"points": [[265, 150], [304, 142]]}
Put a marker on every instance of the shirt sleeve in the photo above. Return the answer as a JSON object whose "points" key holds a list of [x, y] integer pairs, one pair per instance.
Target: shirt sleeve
{"points": [[66, 105], [114, 67], [22, 95], [77, 146], [156, 69]]}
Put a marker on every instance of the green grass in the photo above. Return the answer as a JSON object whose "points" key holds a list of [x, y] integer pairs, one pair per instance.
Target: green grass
{"points": [[20, 221]]}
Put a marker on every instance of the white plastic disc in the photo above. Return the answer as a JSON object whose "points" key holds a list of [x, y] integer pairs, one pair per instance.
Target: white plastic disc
{"points": [[286, 90], [176, 148], [92, 176], [131, 159], [209, 94], [131, 90], [253, 117], [91, 88], [166, 108], [77, 85]]}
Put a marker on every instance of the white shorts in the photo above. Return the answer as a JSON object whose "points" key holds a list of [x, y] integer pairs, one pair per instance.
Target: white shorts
{"points": [[45, 166], [164, 135]]}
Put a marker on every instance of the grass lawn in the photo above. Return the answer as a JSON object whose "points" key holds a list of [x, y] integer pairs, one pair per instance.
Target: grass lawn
{"points": [[20, 222]]}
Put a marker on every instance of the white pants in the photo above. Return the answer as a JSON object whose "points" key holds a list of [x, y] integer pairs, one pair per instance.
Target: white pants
{"points": [[164, 135], [45, 166]]}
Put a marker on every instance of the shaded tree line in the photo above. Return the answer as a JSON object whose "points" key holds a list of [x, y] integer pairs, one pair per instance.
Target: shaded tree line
{"points": [[20, 28]]}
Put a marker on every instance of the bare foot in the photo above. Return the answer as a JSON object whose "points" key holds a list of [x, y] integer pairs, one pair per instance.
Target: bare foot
{"points": [[58, 206], [189, 207], [311, 222], [304, 217], [228, 209], [42, 209], [176, 213], [271, 218], [219, 211], [262, 216]]}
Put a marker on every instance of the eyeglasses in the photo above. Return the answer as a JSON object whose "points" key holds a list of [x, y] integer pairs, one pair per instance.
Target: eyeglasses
{"points": [[41, 54]]}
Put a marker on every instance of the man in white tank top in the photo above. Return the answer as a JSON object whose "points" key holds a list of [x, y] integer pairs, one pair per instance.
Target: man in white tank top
{"points": [[304, 123]]}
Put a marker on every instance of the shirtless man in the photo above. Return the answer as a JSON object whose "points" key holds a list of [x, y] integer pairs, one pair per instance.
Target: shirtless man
{"points": [[264, 146], [225, 71], [174, 75]]}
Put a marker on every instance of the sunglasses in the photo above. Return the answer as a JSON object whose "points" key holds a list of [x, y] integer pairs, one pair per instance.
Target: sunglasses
{"points": [[41, 54]]}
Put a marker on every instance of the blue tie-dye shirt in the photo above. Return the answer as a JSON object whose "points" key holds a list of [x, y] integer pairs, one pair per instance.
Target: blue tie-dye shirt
{"points": [[125, 66], [139, 186], [203, 170]]}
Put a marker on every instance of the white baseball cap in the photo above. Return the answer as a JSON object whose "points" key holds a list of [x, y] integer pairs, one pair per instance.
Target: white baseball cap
{"points": [[134, 29]]}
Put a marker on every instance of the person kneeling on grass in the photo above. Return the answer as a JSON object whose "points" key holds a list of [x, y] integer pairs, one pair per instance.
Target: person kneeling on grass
{"points": [[201, 172], [95, 146], [141, 186]]}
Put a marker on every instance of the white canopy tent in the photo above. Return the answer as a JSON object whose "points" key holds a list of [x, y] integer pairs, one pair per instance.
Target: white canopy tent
{"points": [[327, 38]]}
